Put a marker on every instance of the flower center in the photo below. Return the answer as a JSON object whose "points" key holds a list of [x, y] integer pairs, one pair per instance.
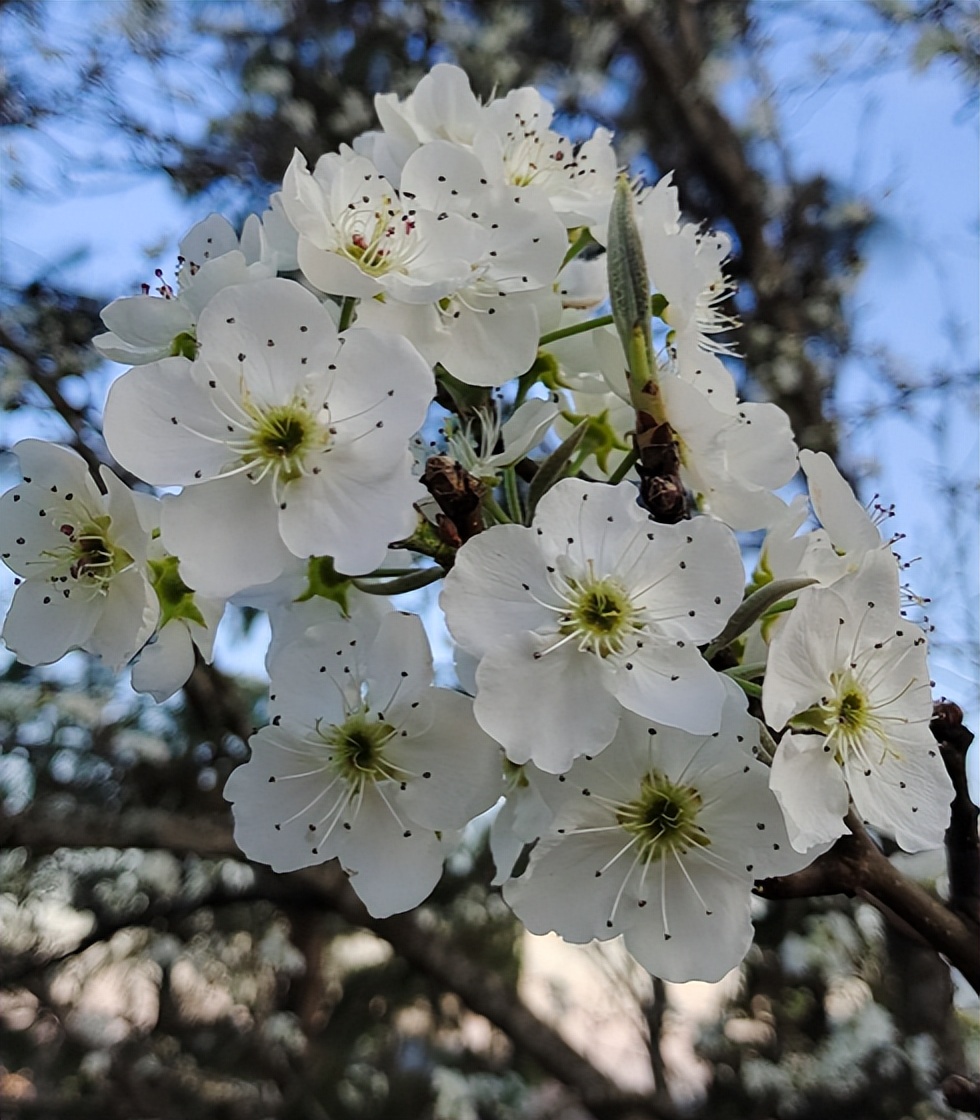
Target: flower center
{"points": [[601, 615], [282, 437], [89, 556], [847, 719], [663, 819], [358, 745], [377, 240], [851, 711]]}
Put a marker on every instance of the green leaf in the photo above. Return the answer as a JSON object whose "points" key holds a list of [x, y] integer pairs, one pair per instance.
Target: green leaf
{"points": [[752, 609]]}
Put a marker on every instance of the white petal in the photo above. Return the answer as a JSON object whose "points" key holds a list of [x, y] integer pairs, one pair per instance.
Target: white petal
{"points": [[463, 762], [810, 788], [490, 592], [512, 685], [225, 535], [42, 625], [164, 665]]}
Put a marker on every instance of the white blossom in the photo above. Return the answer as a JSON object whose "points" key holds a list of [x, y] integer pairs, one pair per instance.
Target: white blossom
{"points": [[81, 556], [289, 440], [363, 761], [594, 608], [147, 328], [660, 838], [848, 675]]}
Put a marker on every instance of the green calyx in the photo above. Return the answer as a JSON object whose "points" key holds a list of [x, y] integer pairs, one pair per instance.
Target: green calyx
{"points": [[600, 437], [184, 345], [176, 598], [663, 819], [326, 582]]}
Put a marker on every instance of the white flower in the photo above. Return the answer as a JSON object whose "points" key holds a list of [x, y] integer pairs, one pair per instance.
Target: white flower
{"points": [[515, 437], [511, 136], [82, 557], [188, 621], [480, 332], [849, 671], [357, 237], [147, 328], [289, 440], [516, 143], [660, 839], [732, 460], [363, 761], [594, 608]]}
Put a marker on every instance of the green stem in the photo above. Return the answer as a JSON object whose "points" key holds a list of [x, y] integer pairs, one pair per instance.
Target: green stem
{"points": [[419, 578], [748, 687], [624, 467], [388, 573], [346, 312], [513, 495], [746, 672], [495, 511], [576, 328]]}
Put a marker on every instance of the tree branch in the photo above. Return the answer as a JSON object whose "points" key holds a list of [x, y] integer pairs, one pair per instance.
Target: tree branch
{"points": [[857, 866], [962, 841], [428, 950]]}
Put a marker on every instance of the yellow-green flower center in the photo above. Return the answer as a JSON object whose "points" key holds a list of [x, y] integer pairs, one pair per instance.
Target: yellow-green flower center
{"points": [[601, 616], [358, 745], [663, 818], [89, 555], [282, 438]]}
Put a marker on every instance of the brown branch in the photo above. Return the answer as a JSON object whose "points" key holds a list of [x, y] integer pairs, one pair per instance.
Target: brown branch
{"points": [[962, 841], [430, 951], [857, 866]]}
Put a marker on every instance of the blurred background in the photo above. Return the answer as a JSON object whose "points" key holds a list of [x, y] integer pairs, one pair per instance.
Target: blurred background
{"points": [[146, 970]]}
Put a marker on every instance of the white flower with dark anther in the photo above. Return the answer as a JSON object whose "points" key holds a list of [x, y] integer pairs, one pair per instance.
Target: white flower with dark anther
{"points": [[147, 328], [517, 145], [477, 452], [363, 761], [660, 838], [732, 460], [358, 237], [486, 331], [511, 136], [82, 557], [288, 439], [592, 609], [848, 675]]}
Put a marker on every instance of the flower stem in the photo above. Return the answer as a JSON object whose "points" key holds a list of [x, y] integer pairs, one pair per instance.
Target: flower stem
{"points": [[575, 328], [513, 495], [624, 467], [495, 511], [347, 312]]}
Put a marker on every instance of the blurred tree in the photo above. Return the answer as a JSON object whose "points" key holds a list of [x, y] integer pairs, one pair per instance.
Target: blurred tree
{"points": [[147, 969]]}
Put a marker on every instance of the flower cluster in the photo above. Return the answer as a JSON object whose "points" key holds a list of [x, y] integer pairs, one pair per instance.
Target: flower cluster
{"points": [[404, 372]]}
